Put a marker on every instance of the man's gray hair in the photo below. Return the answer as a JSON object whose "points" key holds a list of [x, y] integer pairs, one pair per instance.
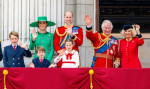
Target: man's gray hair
{"points": [[105, 21]]}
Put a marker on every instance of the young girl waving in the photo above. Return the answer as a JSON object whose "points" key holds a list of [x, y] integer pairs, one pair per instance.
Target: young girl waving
{"points": [[70, 58]]}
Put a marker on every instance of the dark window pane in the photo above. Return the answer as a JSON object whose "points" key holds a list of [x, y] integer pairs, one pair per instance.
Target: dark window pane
{"points": [[121, 11]]}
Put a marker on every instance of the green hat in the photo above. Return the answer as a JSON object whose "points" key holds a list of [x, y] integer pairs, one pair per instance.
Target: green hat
{"points": [[42, 18]]}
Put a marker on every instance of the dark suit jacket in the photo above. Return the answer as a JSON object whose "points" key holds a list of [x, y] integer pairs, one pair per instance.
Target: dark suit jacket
{"points": [[1, 55], [38, 64], [14, 58]]}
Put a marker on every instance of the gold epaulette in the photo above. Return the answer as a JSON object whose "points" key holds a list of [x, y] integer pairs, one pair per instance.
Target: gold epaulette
{"points": [[59, 33]]}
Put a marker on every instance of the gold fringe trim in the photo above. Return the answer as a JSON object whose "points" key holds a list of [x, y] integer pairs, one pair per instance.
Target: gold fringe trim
{"points": [[67, 26], [101, 40], [116, 63], [74, 38], [58, 51], [89, 30], [60, 34]]}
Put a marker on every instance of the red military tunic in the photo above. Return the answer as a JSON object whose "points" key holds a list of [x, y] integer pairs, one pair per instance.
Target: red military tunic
{"points": [[60, 34], [129, 52], [99, 40]]}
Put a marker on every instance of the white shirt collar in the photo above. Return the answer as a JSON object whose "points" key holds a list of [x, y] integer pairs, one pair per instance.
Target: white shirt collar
{"points": [[13, 45], [41, 58]]}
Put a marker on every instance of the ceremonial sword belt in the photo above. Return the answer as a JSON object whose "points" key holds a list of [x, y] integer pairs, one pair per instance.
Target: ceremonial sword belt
{"points": [[104, 56]]}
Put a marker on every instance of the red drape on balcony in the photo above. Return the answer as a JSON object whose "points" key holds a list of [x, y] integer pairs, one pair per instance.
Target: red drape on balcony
{"points": [[77, 78]]}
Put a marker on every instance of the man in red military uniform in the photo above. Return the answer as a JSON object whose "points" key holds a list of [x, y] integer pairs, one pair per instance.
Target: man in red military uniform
{"points": [[68, 31], [104, 44]]}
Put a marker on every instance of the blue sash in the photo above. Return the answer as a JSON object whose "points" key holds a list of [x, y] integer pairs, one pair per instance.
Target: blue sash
{"points": [[74, 31], [103, 49], [65, 38]]}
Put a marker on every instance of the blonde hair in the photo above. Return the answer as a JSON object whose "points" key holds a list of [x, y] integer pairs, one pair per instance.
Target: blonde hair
{"points": [[40, 48], [13, 33], [69, 40], [133, 32]]}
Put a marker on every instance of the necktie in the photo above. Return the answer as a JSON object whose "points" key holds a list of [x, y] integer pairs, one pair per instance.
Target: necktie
{"points": [[41, 60], [14, 47]]}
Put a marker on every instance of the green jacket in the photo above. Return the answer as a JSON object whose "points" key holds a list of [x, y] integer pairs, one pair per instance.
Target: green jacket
{"points": [[45, 40]]}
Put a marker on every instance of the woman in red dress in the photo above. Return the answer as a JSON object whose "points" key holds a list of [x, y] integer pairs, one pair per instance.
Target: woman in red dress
{"points": [[129, 46]]}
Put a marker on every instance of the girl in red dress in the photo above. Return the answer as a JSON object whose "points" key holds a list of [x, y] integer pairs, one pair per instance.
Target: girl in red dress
{"points": [[129, 46]]}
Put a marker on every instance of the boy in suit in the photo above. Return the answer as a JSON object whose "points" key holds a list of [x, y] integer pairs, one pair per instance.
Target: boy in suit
{"points": [[14, 53], [40, 61]]}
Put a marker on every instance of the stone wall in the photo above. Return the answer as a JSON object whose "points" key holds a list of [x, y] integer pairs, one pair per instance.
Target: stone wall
{"points": [[144, 53]]}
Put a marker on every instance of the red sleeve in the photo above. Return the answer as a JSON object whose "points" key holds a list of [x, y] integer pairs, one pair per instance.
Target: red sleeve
{"points": [[91, 36], [56, 42], [120, 55], [79, 37], [140, 41]]}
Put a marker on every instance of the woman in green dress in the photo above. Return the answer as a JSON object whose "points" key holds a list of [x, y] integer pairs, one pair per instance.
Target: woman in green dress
{"points": [[42, 37]]}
